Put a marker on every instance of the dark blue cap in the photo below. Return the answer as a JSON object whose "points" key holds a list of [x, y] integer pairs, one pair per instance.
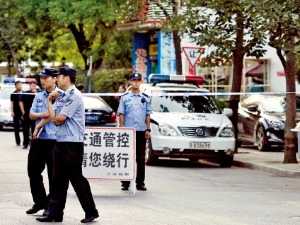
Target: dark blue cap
{"points": [[67, 71], [135, 76], [48, 72]]}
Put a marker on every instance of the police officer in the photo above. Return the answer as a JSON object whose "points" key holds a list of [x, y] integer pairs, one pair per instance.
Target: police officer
{"points": [[40, 152], [69, 115], [134, 111]]}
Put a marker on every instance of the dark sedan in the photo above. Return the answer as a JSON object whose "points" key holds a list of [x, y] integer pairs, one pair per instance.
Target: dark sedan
{"points": [[98, 112], [262, 121]]}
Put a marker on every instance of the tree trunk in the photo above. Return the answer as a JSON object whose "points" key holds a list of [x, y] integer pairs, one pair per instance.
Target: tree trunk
{"points": [[290, 140], [81, 41], [238, 57], [177, 46]]}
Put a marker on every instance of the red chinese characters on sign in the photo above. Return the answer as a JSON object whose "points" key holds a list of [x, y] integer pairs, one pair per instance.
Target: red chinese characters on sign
{"points": [[193, 55]]}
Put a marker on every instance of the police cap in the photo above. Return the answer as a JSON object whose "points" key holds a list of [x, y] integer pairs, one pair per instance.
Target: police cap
{"points": [[67, 71], [49, 72], [135, 76]]}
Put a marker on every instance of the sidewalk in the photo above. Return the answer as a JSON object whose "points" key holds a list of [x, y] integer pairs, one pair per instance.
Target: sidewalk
{"points": [[266, 161]]}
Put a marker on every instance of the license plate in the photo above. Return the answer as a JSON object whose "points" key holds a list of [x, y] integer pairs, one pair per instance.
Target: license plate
{"points": [[199, 145], [92, 117]]}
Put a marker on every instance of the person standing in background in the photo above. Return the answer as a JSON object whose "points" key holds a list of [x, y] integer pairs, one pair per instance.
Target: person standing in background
{"points": [[134, 112], [16, 111], [25, 105]]}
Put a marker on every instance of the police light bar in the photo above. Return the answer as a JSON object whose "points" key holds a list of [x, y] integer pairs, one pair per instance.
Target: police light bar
{"points": [[160, 78]]}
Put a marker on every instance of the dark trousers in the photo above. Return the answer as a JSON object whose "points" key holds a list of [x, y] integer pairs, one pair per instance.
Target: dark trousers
{"points": [[68, 158], [140, 159], [40, 155], [17, 126], [28, 128]]}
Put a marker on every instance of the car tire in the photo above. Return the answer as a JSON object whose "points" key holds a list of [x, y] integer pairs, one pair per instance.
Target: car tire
{"points": [[194, 159], [226, 161], [260, 139], [151, 158]]}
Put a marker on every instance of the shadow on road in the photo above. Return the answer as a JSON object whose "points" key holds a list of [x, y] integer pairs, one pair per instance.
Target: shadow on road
{"points": [[181, 163]]}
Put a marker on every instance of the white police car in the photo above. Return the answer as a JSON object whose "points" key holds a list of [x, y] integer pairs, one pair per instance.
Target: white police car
{"points": [[186, 123]]}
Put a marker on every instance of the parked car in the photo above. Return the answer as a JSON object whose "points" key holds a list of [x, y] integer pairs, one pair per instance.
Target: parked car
{"points": [[98, 112], [187, 126], [6, 119], [261, 121]]}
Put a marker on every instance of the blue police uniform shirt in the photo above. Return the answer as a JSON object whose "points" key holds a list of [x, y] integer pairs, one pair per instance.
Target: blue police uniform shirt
{"points": [[70, 104], [135, 107], [40, 105]]}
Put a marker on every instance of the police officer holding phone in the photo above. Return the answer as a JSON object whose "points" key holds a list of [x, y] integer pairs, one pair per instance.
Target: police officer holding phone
{"points": [[134, 112], [68, 114], [41, 149]]}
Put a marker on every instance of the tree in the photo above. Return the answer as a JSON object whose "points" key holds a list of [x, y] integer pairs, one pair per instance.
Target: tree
{"points": [[11, 33], [230, 29], [173, 20], [91, 22], [283, 22]]}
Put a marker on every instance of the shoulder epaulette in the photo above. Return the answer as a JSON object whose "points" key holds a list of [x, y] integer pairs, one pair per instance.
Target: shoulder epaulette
{"points": [[126, 93], [145, 95]]}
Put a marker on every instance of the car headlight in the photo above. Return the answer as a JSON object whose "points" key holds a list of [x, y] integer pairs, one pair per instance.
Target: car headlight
{"points": [[227, 132], [167, 130]]}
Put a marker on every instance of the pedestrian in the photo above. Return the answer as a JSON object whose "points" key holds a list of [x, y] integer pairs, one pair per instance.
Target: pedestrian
{"points": [[16, 111], [41, 149], [134, 112], [68, 114], [26, 100]]}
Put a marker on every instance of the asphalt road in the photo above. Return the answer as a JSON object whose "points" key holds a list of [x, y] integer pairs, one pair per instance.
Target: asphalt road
{"points": [[179, 193]]}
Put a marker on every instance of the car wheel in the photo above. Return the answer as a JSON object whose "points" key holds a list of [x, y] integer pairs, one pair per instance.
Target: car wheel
{"points": [[151, 159], [261, 139], [226, 161], [194, 159]]}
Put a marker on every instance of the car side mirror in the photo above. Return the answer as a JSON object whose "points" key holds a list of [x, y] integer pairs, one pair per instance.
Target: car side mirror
{"points": [[228, 112]]}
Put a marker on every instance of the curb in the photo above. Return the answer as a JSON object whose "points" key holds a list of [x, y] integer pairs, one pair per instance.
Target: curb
{"points": [[265, 168]]}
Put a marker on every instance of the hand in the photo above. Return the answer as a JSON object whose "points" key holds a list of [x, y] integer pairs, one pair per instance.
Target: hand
{"points": [[147, 135], [53, 95], [12, 114], [35, 133]]}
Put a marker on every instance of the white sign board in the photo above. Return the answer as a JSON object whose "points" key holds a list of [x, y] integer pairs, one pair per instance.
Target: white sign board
{"points": [[109, 153], [193, 54]]}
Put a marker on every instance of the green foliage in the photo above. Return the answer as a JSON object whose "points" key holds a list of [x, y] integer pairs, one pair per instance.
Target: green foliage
{"points": [[213, 23], [107, 81]]}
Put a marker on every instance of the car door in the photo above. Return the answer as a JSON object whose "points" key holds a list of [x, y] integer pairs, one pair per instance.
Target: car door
{"points": [[248, 117]]}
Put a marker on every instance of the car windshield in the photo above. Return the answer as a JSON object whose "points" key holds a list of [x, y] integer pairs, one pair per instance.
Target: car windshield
{"points": [[274, 105], [93, 102], [184, 104]]}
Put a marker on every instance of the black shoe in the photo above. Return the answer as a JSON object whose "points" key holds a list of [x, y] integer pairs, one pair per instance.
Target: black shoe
{"points": [[141, 187], [89, 219], [50, 219], [25, 146], [46, 213], [124, 188], [34, 209]]}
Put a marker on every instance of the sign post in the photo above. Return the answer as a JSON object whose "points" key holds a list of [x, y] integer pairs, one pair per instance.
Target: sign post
{"points": [[110, 154]]}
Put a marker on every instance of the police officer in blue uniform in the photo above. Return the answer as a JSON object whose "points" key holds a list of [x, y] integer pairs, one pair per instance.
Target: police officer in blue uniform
{"points": [[134, 112], [40, 153], [68, 114]]}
